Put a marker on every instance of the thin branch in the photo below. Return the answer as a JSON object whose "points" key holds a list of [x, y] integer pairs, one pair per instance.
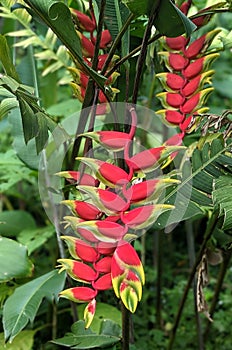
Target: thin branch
{"points": [[218, 287], [208, 233], [116, 43], [131, 54]]}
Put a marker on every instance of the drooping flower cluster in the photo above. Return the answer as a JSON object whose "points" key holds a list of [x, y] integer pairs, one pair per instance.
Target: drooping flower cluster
{"points": [[188, 65], [87, 24], [114, 207]]}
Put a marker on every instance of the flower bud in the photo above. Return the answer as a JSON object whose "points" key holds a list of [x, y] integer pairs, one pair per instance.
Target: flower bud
{"points": [[77, 177]]}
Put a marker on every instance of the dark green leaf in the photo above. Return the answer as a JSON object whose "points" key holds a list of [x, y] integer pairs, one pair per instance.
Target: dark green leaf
{"points": [[194, 194], [170, 21], [22, 306], [6, 60], [55, 14], [14, 221], [14, 260], [82, 338], [35, 238], [29, 120]]}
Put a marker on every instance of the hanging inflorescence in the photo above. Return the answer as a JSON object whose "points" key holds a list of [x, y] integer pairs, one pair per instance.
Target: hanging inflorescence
{"points": [[115, 207], [187, 83]]}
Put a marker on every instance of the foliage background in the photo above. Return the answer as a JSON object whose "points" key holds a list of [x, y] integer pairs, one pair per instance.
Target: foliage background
{"points": [[167, 258]]}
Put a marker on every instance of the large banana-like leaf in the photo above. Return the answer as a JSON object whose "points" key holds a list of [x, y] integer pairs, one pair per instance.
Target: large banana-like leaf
{"points": [[169, 21], [58, 17], [194, 195], [22, 306]]}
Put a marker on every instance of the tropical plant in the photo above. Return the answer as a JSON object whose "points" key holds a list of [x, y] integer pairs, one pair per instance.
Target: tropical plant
{"points": [[111, 184]]}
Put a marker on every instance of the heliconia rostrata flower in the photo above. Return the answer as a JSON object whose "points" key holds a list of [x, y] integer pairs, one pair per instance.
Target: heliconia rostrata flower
{"points": [[187, 82], [115, 205], [117, 201], [86, 25]]}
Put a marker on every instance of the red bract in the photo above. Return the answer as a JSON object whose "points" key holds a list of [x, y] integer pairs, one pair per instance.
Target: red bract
{"points": [[106, 38], [87, 46], [174, 81], [114, 174], [145, 160], [103, 283], [103, 265], [177, 43], [177, 62], [81, 250], [82, 179], [84, 210], [79, 294], [112, 201], [86, 22]]}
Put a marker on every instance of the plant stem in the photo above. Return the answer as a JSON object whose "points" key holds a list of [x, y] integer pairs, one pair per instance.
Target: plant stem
{"points": [[209, 230], [116, 43], [125, 328], [218, 287], [192, 258], [131, 54], [159, 269], [143, 52]]}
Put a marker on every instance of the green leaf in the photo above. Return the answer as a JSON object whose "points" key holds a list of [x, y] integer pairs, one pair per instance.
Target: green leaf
{"points": [[7, 105], [6, 60], [55, 14], [35, 238], [29, 120], [14, 221], [22, 306], [222, 197], [23, 341], [26, 152], [14, 260], [194, 194], [170, 21], [116, 14], [82, 338]]}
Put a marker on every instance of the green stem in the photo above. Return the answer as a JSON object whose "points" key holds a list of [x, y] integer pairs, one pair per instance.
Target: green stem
{"points": [[116, 43], [125, 328], [159, 269], [131, 54], [143, 52], [209, 230], [192, 258], [218, 287]]}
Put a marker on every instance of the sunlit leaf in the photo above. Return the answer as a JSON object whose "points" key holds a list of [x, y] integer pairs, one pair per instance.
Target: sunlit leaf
{"points": [[14, 260], [22, 306]]}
